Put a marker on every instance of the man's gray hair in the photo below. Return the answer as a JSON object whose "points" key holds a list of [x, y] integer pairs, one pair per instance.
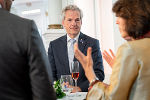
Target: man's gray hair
{"points": [[73, 8]]}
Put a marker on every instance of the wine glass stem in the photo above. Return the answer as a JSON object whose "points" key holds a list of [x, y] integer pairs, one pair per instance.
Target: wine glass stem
{"points": [[76, 86]]}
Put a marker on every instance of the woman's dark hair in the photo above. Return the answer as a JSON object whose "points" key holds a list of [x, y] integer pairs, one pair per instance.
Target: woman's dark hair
{"points": [[137, 16]]}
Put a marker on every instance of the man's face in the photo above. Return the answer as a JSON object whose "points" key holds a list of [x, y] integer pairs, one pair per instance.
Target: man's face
{"points": [[72, 23]]}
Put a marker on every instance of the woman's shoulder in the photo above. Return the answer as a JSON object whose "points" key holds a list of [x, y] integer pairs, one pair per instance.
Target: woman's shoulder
{"points": [[136, 46]]}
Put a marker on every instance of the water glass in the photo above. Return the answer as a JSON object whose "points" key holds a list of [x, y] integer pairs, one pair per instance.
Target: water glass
{"points": [[66, 83]]}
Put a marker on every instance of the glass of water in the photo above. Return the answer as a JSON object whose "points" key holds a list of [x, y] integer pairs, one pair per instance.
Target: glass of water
{"points": [[66, 83]]}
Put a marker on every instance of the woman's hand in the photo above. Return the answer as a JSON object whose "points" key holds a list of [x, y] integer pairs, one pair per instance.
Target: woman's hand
{"points": [[109, 58], [86, 61]]}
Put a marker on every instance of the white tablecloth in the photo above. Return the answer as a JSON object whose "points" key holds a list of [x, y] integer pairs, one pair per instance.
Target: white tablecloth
{"points": [[72, 96]]}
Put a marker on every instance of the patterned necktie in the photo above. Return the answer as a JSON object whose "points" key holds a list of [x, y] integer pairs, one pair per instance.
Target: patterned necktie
{"points": [[71, 51]]}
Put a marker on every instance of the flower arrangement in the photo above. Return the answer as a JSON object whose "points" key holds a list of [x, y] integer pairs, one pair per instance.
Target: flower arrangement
{"points": [[58, 89]]}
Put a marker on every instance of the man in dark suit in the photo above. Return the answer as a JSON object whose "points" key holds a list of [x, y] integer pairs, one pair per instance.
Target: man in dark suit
{"points": [[23, 60], [58, 51]]}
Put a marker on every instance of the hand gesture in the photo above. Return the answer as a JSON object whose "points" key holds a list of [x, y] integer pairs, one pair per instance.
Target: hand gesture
{"points": [[109, 58], [86, 61]]}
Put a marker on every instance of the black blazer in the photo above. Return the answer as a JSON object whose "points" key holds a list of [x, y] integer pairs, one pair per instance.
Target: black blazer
{"points": [[58, 57], [23, 61]]}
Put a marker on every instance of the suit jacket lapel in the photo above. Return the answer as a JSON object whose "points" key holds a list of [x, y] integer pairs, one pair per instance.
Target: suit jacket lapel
{"points": [[82, 42], [65, 55]]}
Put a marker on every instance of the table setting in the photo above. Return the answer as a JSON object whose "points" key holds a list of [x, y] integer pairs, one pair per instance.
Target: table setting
{"points": [[64, 86], [72, 96]]}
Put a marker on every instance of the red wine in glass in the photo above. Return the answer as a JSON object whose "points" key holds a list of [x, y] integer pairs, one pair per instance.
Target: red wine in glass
{"points": [[75, 75], [75, 72]]}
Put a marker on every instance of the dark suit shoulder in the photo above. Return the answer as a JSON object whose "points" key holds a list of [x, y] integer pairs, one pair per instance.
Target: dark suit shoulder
{"points": [[5, 15], [88, 37], [17, 30], [60, 39]]}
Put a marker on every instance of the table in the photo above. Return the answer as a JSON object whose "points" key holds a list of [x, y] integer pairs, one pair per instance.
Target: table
{"points": [[72, 96]]}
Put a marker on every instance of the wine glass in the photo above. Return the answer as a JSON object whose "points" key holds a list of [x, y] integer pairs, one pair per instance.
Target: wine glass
{"points": [[75, 72], [66, 83]]}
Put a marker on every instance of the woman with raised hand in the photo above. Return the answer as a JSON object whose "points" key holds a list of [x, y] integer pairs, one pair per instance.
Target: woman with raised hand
{"points": [[130, 77]]}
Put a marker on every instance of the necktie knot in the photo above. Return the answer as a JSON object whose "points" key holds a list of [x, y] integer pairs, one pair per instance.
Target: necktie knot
{"points": [[72, 41]]}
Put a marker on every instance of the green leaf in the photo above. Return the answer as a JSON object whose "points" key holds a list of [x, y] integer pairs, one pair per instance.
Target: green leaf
{"points": [[58, 89]]}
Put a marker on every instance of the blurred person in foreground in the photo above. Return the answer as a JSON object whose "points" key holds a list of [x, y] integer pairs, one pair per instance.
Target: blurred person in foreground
{"points": [[23, 60], [130, 71]]}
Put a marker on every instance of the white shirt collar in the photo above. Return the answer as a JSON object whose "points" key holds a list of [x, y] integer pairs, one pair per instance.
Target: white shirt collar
{"points": [[0, 6], [76, 38]]}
